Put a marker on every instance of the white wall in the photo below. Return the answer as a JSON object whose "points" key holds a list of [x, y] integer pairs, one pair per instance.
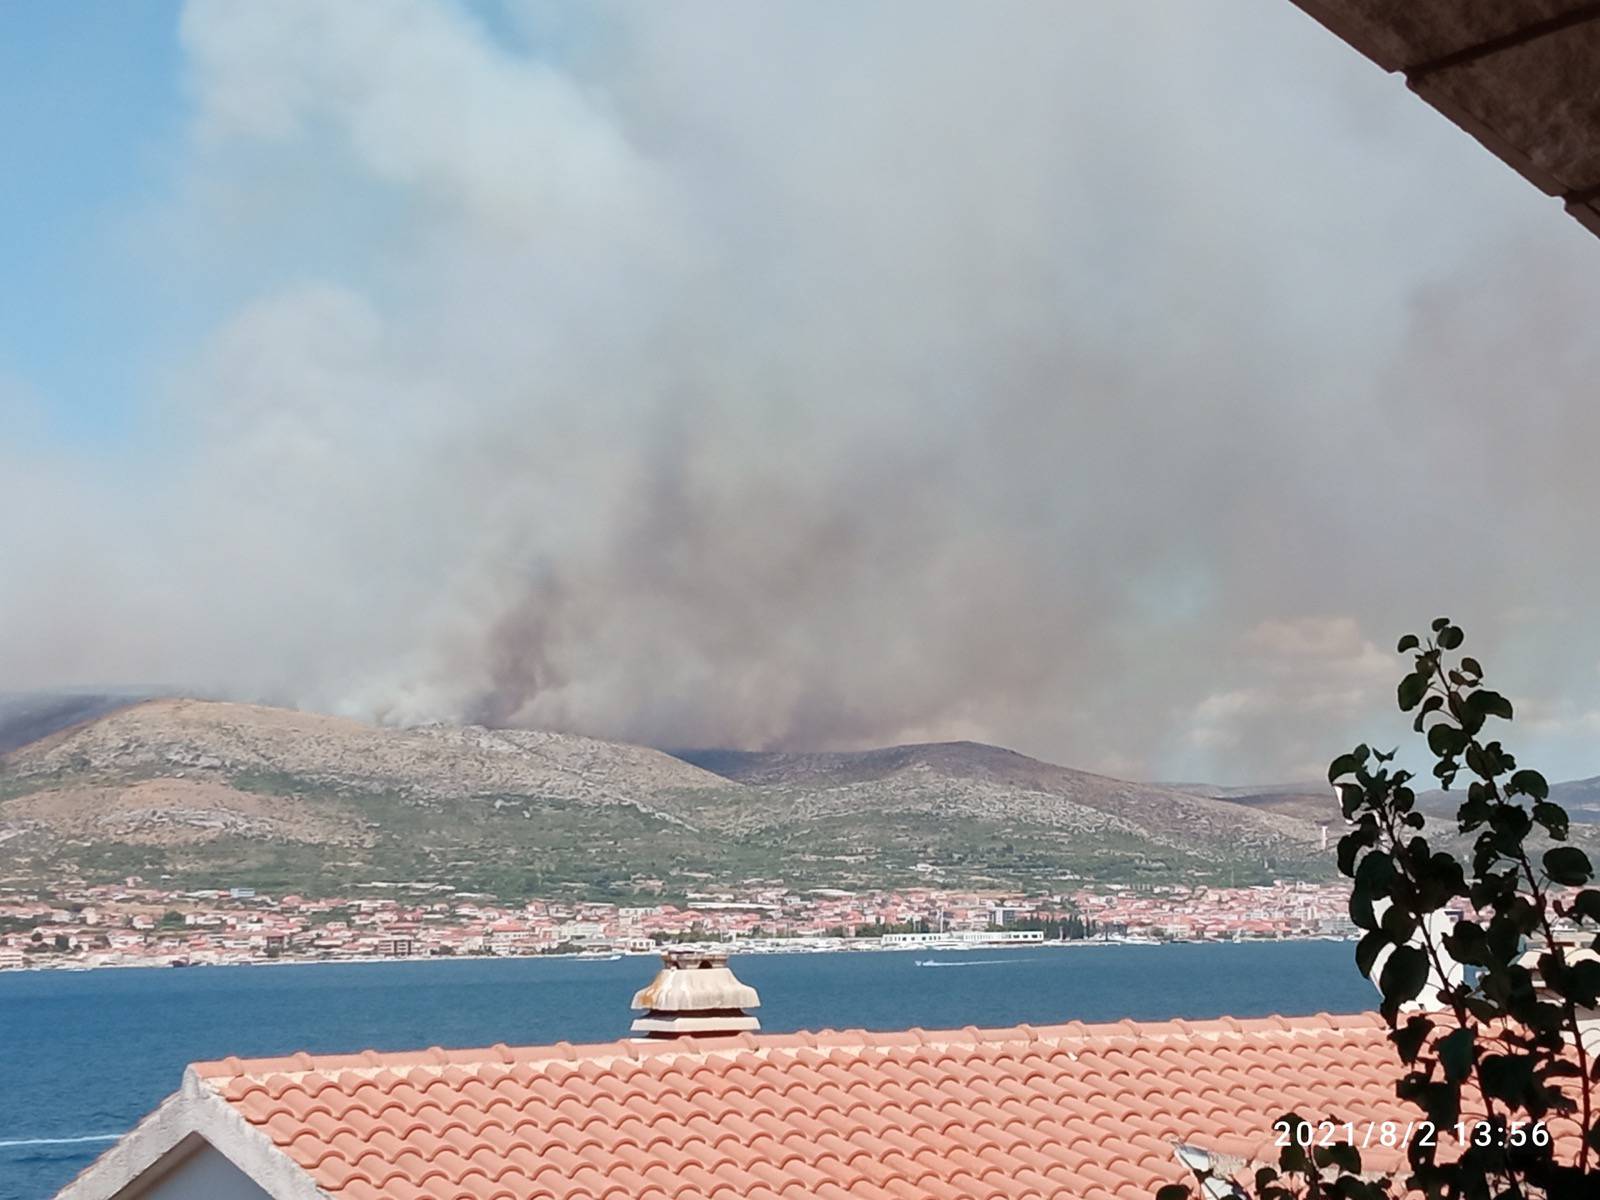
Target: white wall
{"points": [[203, 1175]]}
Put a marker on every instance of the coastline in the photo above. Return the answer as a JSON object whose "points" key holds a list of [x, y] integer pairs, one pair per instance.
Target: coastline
{"points": [[787, 946]]}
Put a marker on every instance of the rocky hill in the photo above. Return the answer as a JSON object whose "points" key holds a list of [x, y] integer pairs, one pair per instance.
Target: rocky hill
{"points": [[988, 785], [1580, 797], [215, 794], [1304, 801]]}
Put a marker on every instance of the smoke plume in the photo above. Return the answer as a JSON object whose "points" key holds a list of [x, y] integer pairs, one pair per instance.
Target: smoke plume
{"points": [[1114, 382]]}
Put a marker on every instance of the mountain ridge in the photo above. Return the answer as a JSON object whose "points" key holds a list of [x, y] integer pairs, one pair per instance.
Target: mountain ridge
{"points": [[209, 792]]}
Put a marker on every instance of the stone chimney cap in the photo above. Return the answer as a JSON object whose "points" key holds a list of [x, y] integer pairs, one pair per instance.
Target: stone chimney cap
{"points": [[695, 995], [694, 981]]}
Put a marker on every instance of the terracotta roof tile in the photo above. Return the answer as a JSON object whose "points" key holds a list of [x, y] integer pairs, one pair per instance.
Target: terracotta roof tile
{"points": [[971, 1114], [1008, 1114]]}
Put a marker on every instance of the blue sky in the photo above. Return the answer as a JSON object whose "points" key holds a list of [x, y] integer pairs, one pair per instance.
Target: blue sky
{"points": [[1077, 378], [94, 107], [102, 292]]}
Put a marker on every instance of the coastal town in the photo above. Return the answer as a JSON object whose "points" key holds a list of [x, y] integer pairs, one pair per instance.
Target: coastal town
{"points": [[134, 924]]}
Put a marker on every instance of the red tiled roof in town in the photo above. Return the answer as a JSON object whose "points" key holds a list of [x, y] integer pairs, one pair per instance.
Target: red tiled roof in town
{"points": [[1089, 1111]]}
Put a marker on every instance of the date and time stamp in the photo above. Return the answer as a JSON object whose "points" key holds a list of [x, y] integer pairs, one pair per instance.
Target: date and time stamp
{"points": [[1401, 1134]]}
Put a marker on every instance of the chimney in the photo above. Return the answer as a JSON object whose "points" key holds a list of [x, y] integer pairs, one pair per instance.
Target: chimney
{"points": [[695, 994]]}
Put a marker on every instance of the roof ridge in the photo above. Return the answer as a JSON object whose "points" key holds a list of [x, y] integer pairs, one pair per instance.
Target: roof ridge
{"points": [[436, 1058]]}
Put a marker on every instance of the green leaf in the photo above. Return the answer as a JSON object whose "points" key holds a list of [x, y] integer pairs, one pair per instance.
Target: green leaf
{"points": [[1408, 1038], [1445, 740], [1489, 704], [1397, 924], [1553, 817], [1352, 844], [1503, 938], [1507, 1077], [1409, 642], [1339, 1154], [1530, 783], [1367, 950], [1586, 905], [1568, 865], [1361, 914], [1583, 983], [1174, 1191], [1471, 666], [1455, 1053], [1403, 975], [1440, 623], [1351, 798], [1345, 764], [1375, 873], [1467, 943], [1432, 703], [1411, 690], [1292, 1158], [1450, 637], [1478, 761]]}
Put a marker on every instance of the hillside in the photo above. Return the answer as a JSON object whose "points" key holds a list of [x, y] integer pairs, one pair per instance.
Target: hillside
{"points": [[1304, 801], [1580, 797], [827, 794], [212, 794], [1314, 802]]}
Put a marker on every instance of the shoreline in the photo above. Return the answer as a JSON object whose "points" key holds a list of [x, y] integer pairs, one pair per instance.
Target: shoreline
{"points": [[819, 946]]}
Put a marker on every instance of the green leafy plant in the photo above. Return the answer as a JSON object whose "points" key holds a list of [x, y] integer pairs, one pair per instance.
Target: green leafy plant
{"points": [[1495, 1050]]}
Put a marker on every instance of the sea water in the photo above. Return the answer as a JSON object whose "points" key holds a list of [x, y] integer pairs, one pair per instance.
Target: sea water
{"points": [[85, 1054]]}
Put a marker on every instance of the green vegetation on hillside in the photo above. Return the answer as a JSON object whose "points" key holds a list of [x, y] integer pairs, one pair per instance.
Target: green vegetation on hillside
{"points": [[202, 795]]}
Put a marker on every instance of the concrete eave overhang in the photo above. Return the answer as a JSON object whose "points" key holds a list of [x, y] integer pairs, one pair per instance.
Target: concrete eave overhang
{"points": [[190, 1117], [1521, 76]]}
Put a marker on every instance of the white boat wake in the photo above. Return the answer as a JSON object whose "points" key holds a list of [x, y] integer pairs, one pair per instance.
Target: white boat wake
{"points": [[67, 1141], [975, 962]]}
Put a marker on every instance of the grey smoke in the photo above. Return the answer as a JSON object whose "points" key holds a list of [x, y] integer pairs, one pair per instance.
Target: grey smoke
{"points": [[1113, 382]]}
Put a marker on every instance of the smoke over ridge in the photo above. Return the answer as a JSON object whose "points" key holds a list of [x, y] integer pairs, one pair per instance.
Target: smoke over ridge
{"points": [[1111, 382]]}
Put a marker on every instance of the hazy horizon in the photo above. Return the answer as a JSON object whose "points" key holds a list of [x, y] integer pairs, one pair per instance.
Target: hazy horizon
{"points": [[18, 728], [1114, 384]]}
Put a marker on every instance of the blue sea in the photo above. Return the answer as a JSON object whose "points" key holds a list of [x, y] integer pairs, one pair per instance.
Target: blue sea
{"points": [[85, 1054]]}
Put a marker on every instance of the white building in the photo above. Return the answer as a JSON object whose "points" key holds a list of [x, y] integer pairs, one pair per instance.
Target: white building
{"points": [[966, 937]]}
